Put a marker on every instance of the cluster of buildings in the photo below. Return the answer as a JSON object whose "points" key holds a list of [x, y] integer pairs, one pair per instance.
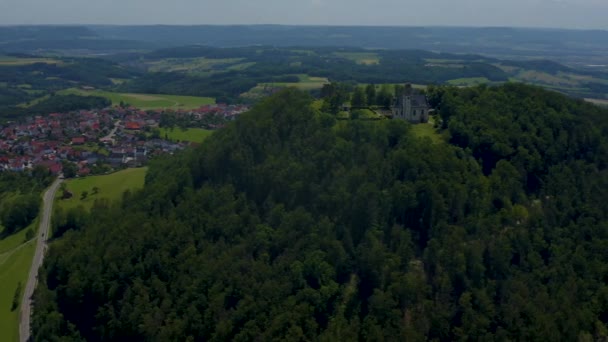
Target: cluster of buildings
{"points": [[95, 141]]}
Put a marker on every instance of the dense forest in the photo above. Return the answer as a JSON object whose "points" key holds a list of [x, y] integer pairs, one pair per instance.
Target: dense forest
{"points": [[20, 198], [291, 225]]}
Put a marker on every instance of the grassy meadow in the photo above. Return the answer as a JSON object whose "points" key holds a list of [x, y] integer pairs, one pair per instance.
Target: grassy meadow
{"points": [[467, 82], [17, 61], [428, 130], [366, 58], [15, 261], [199, 65], [146, 101], [111, 187]]}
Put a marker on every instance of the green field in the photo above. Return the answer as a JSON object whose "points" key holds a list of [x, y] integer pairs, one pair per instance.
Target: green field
{"points": [[365, 114], [111, 187], [15, 262], [200, 65], [599, 102], [14, 61], [146, 101], [470, 81], [367, 58], [427, 130], [391, 86], [196, 135], [305, 82]]}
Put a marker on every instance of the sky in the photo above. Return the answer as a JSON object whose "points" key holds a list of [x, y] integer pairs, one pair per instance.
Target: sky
{"points": [[519, 13]]}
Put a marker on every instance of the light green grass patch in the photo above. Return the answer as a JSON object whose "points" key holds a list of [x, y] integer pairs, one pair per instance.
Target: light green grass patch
{"points": [[391, 86], [14, 268], [118, 80], [146, 101], [196, 135], [34, 102], [191, 65], [366, 58], [468, 81], [305, 83], [15, 61], [15, 261], [92, 147], [111, 187], [240, 66], [599, 102], [364, 114], [427, 130]]}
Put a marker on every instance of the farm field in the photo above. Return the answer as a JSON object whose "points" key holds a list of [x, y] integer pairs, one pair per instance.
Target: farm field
{"points": [[367, 58], [391, 86], [195, 135], [111, 187], [599, 102], [15, 262], [193, 65], [305, 82], [146, 101], [15, 61], [466, 82]]}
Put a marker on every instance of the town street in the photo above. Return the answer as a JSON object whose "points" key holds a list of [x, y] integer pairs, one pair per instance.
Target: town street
{"points": [[43, 234]]}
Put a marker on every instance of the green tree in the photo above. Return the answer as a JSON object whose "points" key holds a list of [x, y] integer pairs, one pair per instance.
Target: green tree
{"points": [[358, 98], [385, 96], [16, 297], [69, 169], [19, 212], [370, 94]]}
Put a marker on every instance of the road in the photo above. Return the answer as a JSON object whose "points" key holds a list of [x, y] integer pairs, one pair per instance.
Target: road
{"points": [[111, 135], [43, 234]]}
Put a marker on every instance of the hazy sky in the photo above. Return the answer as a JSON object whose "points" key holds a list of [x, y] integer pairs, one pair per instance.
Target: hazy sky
{"points": [[528, 13]]}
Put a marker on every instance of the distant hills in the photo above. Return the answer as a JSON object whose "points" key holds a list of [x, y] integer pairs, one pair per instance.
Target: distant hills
{"points": [[580, 47]]}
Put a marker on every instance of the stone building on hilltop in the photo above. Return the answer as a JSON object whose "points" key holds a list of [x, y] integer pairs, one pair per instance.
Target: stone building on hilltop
{"points": [[411, 106]]}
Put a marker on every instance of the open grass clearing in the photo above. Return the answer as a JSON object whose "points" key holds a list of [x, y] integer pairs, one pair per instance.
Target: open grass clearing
{"points": [[423, 130], [305, 82], [14, 269], [16, 61], [599, 102], [468, 81], [111, 187], [16, 256], [146, 101], [366, 58], [191, 65]]}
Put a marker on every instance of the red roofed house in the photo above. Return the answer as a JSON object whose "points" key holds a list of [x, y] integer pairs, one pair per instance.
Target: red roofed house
{"points": [[133, 126], [78, 140]]}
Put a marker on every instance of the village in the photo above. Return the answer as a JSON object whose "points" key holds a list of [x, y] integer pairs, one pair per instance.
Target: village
{"points": [[89, 142]]}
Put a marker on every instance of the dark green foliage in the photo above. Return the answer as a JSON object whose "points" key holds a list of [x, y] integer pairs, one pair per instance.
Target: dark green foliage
{"points": [[18, 212], [290, 225], [358, 98], [69, 169], [16, 297]]}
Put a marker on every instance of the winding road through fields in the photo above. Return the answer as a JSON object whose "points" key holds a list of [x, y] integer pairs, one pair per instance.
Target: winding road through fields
{"points": [[43, 234]]}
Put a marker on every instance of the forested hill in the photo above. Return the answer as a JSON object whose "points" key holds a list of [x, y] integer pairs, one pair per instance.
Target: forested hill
{"points": [[289, 225]]}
